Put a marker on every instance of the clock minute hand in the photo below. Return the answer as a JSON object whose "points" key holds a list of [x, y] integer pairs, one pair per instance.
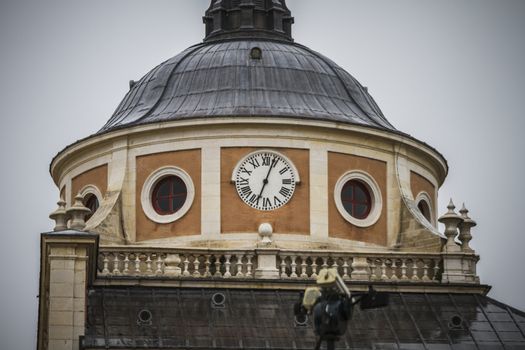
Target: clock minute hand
{"points": [[265, 181]]}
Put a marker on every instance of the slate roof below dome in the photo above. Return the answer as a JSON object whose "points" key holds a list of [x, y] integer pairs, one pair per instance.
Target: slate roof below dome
{"points": [[264, 319], [221, 79]]}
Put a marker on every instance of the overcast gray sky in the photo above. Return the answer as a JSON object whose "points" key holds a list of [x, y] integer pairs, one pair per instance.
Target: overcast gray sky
{"points": [[449, 72]]}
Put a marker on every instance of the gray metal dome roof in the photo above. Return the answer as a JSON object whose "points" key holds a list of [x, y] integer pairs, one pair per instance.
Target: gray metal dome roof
{"points": [[217, 79]]}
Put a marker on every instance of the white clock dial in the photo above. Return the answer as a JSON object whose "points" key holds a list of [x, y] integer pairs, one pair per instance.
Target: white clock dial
{"points": [[265, 180]]}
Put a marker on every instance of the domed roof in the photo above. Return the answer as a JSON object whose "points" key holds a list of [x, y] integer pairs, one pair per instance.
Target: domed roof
{"points": [[247, 71]]}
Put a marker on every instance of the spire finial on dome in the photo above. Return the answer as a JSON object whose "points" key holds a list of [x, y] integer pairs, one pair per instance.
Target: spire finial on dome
{"points": [[231, 19]]}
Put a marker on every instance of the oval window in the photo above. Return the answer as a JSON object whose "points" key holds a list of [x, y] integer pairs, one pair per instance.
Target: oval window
{"points": [[356, 199], [169, 195], [91, 202], [424, 209]]}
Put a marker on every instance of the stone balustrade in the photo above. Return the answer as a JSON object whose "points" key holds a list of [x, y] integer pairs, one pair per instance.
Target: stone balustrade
{"points": [[362, 266], [137, 262], [115, 262]]}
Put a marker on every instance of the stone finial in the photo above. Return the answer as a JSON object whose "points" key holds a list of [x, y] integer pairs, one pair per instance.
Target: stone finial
{"points": [[451, 220], [266, 231], [464, 230], [60, 216], [78, 213]]}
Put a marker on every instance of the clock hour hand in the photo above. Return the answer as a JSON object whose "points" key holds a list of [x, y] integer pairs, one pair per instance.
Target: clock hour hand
{"points": [[265, 181]]}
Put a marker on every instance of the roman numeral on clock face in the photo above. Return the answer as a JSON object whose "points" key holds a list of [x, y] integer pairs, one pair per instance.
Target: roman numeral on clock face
{"points": [[266, 203], [283, 170], [244, 171], [254, 163], [254, 198], [285, 191], [266, 160], [287, 181], [246, 191]]}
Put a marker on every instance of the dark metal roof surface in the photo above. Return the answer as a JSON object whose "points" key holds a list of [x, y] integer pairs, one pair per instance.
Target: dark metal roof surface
{"points": [[263, 319], [221, 79]]}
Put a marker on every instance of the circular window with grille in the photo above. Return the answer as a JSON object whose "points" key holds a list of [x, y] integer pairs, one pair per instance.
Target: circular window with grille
{"points": [[358, 198], [167, 195]]}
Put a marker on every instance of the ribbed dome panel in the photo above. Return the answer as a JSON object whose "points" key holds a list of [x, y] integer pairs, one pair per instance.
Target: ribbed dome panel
{"points": [[222, 79]]}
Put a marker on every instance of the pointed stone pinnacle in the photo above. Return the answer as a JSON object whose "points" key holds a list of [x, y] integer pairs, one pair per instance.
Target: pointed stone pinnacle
{"points": [[464, 212], [451, 207]]}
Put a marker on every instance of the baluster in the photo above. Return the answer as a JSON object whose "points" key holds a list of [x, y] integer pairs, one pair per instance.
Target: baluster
{"points": [[415, 269], [149, 270], [105, 270], [404, 276], [293, 267], [137, 264], [345, 269], [207, 263], [373, 275], [314, 268], [325, 261], [249, 265], [304, 266], [186, 271], [116, 260], [425, 271], [283, 268], [196, 263], [159, 264], [384, 277], [218, 266], [436, 270], [394, 272], [126, 264], [239, 266], [227, 264]]}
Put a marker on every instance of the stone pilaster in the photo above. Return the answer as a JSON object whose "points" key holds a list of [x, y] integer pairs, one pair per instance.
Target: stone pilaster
{"points": [[211, 191], [68, 266], [318, 192]]}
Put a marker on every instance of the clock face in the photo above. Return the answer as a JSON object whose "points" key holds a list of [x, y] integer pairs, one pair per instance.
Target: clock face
{"points": [[265, 180]]}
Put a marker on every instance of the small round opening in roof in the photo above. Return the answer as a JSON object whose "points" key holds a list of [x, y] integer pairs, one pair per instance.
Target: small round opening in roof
{"points": [[256, 53], [218, 300], [144, 318]]}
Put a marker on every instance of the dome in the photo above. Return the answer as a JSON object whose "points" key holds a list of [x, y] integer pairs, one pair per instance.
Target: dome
{"points": [[221, 79], [248, 65]]}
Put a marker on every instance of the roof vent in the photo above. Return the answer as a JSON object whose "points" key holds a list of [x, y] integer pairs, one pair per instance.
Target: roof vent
{"points": [[455, 322], [218, 300], [256, 53], [301, 320], [144, 318]]}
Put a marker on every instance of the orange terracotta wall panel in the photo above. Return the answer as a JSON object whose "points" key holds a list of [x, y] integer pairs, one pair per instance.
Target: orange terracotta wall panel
{"points": [[190, 223], [418, 184], [338, 227], [97, 177], [292, 218]]}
